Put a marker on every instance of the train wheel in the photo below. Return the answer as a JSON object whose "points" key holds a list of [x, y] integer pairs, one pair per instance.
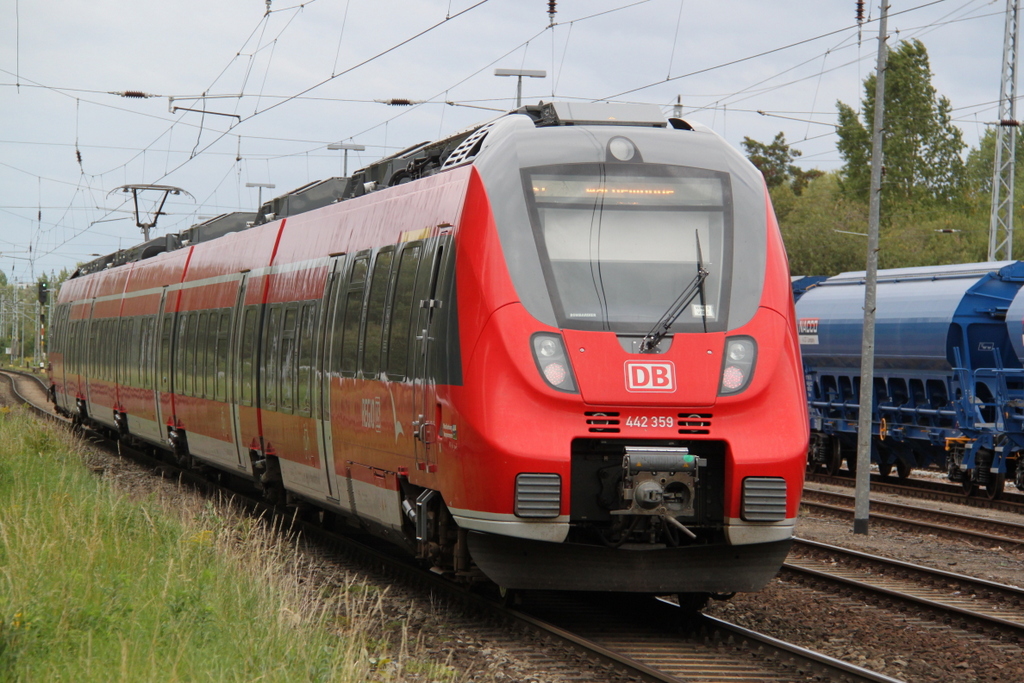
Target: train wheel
{"points": [[509, 597], [693, 602], [812, 466], [903, 470], [885, 469], [994, 487], [1019, 479], [835, 457], [968, 482]]}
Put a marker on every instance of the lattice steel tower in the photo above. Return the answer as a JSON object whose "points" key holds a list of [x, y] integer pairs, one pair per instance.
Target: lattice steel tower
{"points": [[1000, 235]]}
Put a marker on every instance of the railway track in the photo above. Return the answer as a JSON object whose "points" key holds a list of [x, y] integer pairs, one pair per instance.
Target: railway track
{"points": [[639, 638], [953, 598], [922, 519], [927, 489], [30, 389]]}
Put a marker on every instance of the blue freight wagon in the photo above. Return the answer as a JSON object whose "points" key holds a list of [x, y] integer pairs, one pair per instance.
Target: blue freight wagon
{"points": [[949, 382]]}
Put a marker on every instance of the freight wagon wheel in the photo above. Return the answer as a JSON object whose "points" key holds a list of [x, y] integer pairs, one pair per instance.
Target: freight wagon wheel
{"points": [[1019, 479], [903, 470], [835, 458], [885, 469], [994, 487], [968, 482]]}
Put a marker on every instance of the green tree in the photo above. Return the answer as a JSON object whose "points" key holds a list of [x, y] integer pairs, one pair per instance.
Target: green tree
{"points": [[774, 161], [922, 148], [817, 225]]}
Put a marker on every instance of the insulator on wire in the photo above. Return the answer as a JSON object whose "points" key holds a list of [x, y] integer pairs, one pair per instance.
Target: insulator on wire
{"points": [[138, 94], [78, 155], [1009, 123], [399, 102], [860, 11], [552, 10]]}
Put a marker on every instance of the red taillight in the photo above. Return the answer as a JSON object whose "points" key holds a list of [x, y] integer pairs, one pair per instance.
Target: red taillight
{"points": [[555, 373], [732, 378]]}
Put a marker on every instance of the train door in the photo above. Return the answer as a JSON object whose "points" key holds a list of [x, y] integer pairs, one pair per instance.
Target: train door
{"points": [[164, 394], [328, 361], [244, 352], [426, 411], [92, 365], [60, 333]]}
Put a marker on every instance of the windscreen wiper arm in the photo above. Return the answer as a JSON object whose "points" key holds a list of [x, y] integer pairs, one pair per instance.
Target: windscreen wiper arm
{"points": [[669, 317]]}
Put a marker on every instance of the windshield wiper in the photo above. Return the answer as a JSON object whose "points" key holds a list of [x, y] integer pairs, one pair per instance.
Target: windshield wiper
{"points": [[696, 286]]}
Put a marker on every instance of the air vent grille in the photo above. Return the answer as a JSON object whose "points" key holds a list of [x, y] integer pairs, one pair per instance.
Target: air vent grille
{"points": [[694, 423], [468, 148], [603, 422], [764, 499], [538, 495]]}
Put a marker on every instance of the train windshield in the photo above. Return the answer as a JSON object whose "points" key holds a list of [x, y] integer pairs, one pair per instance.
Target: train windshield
{"points": [[619, 242]]}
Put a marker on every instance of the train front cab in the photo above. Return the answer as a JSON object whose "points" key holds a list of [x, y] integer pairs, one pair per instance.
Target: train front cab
{"points": [[588, 464]]}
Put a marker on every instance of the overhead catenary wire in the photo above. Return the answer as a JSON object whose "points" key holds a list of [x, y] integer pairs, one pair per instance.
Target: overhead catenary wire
{"points": [[166, 148]]}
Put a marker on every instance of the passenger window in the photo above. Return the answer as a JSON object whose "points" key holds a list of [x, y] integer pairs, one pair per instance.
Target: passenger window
{"points": [[166, 337], [248, 350], [220, 379], [306, 342], [202, 355], [402, 310], [353, 313], [190, 354], [142, 353], [271, 345], [288, 359], [179, 352], [110, 347], [147, 353], [130, 361], [375, 313]]}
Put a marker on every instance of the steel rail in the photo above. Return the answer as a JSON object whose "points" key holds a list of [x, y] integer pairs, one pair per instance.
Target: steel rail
{"points": [[936, 521], [915, 584], [927, 490]]}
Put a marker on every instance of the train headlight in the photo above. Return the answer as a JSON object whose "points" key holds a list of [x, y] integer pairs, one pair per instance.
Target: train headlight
{"points": [[737, 365], [621, 148], [552, 361]]}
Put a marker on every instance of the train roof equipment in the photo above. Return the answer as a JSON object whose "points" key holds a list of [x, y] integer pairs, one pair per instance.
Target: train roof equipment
{"points": [[417, 161]]}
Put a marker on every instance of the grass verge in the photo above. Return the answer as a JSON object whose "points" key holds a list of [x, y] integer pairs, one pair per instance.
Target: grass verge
{"points": [[97, 585]]}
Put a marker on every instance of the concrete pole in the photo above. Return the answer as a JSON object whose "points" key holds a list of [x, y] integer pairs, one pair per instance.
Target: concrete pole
{"points": [[867, 355]]}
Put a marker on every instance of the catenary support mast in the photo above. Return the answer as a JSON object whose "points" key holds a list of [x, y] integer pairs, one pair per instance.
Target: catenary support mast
{"points": [[1000, 236]]}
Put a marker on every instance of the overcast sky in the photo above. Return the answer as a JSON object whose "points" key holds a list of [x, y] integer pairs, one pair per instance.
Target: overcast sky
{"points": [[281, 86]]}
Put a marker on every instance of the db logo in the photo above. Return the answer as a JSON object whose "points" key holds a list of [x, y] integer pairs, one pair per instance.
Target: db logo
{"points": [[647, 376]]}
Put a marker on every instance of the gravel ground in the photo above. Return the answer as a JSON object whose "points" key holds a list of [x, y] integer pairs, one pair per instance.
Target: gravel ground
{"points": [[902, 645]]}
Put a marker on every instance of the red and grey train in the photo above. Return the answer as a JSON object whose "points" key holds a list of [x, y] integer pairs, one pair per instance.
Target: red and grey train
{"points": [[557, 351]]}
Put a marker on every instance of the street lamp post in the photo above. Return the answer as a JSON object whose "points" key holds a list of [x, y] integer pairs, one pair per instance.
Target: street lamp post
{"points": [[346, 146], [269, 186], [519, 74]]}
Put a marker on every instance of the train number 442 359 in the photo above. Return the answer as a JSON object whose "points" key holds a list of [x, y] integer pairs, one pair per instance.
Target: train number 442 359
{"points": [[645, 421]]}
